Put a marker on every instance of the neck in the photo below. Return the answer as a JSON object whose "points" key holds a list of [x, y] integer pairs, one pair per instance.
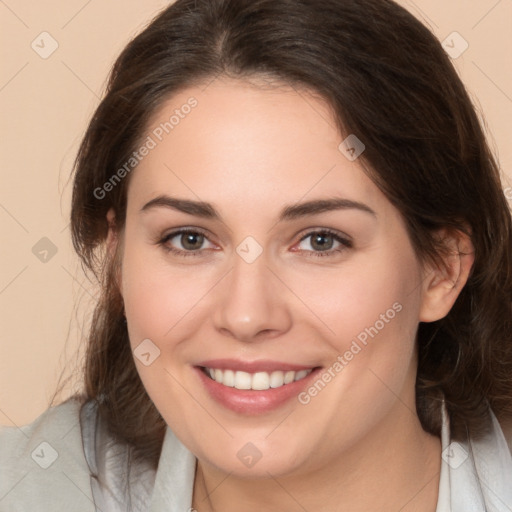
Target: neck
{"points": [[396, 467]]}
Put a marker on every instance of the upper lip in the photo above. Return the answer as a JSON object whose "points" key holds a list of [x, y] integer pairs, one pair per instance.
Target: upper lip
{"points": [[253, 366]]}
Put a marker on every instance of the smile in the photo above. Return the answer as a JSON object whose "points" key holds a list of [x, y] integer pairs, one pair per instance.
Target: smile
{"points": [[259, 381]]}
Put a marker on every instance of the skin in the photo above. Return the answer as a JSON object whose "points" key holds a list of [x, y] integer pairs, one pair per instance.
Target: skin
{"points": [[358, 444]]}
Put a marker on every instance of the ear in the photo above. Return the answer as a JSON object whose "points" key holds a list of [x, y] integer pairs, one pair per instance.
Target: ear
{"points": [[112, 235], [113, 242], [442, 284]]}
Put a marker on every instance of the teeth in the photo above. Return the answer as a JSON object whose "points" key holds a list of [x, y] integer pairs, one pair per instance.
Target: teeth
{"points": [[289, 377], [228, 378], [301, 374], [258, 381], [276, 379], [242, 379]]}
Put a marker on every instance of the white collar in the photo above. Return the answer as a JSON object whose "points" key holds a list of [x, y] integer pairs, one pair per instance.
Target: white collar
{"points": [[476, 476], [174, 482]]}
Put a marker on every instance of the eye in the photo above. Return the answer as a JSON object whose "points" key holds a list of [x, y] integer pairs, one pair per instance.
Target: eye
{"points": [[190, 242], [324, 242], [185, 242]]}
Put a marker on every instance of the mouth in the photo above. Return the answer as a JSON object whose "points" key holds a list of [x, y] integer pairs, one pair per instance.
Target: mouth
{"points": [[253, 388], [259, 381]]}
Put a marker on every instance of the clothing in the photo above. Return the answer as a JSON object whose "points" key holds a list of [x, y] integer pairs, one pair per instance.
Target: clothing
{"points": [[72, 444]]}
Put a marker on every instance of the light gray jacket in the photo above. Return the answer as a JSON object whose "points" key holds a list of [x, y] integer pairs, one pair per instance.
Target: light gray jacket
{"points": [[57, 463]]}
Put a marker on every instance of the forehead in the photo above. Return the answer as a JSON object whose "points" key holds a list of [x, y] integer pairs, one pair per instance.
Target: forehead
{"points": [[250, 144]]}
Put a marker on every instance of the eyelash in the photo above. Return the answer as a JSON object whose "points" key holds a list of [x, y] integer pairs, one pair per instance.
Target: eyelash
{"points": [[345, 243]]}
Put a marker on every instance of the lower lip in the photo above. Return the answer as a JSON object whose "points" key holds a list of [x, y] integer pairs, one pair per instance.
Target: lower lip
{"points": [[254, 401]]}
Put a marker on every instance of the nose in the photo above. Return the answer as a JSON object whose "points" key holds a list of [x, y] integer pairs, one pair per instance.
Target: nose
{"points": [[253, 303]]}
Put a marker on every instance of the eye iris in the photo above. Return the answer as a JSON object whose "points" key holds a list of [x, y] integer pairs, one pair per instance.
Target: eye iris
{"points": [[192, 241], [322, 241]]}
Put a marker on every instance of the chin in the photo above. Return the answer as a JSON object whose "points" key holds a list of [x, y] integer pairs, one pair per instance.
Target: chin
{"points": [[256, 460]]}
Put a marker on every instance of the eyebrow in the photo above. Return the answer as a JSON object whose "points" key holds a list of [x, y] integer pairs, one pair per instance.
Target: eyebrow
{"points": [[288, 213]]}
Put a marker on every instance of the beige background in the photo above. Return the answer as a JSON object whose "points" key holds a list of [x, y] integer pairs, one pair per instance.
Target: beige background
{"points": [[45, 106]]}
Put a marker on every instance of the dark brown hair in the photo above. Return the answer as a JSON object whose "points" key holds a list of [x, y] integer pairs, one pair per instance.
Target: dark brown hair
{"points": [[387, 80]]}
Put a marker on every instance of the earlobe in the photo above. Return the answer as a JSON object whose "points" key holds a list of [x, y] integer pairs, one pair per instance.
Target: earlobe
{"points": [[442, 284]]}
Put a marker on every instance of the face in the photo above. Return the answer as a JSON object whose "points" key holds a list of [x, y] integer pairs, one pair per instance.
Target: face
{"points": [[255, 252]]}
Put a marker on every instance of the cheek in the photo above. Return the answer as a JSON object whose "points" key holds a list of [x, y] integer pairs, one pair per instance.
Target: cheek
{"points": [[160, 301], [370, 311], [156, 296], [370, 295]]}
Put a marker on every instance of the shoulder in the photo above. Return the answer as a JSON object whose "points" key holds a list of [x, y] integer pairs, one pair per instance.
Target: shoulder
{"points": [[42, 465]]}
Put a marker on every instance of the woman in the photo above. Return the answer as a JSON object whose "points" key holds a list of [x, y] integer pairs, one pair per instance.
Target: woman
{"points": [[304, 255]]}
